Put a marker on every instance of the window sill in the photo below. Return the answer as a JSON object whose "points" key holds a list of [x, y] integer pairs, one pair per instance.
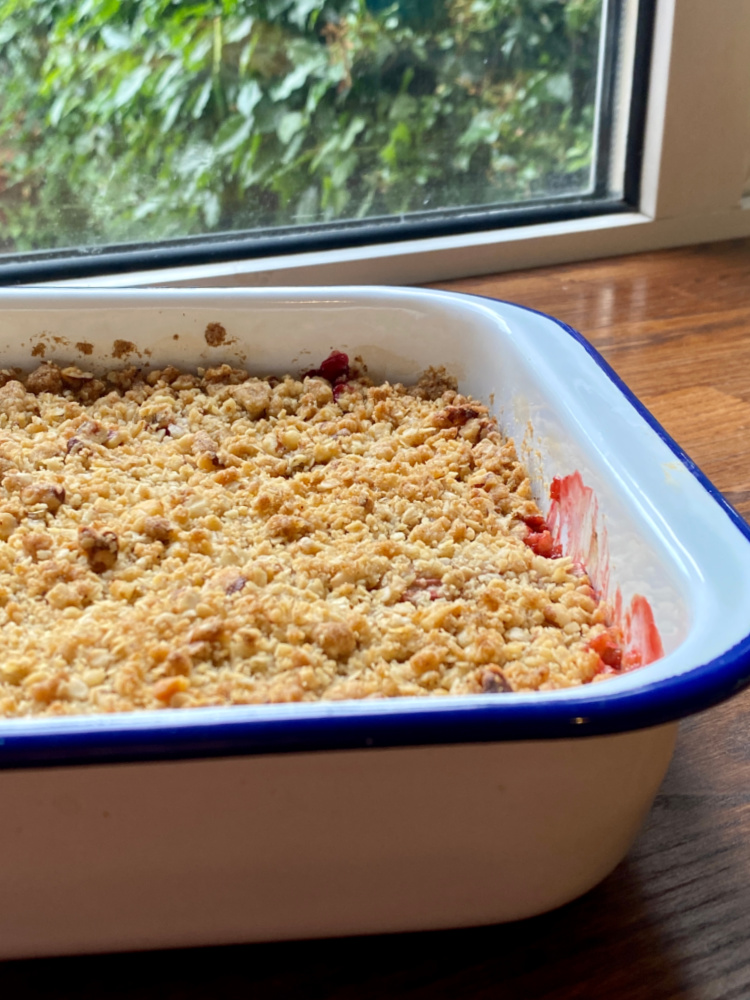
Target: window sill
{"points": [[442, 258]]}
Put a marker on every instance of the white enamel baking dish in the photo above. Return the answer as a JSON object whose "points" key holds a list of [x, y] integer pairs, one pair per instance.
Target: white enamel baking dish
{"points": [[204, 826]]}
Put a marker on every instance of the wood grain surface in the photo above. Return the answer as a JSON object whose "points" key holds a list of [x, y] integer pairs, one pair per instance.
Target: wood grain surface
{"points": [[673, 921]]}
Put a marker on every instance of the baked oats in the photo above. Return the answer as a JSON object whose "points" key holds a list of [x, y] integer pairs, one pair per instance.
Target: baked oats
{"points": [[177, 539]]}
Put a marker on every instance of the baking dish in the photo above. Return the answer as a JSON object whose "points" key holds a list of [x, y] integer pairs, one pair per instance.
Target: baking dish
{"points": [[201, 826]]}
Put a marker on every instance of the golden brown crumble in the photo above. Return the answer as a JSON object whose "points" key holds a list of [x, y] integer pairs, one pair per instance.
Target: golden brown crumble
{"points": [[178, 539]]}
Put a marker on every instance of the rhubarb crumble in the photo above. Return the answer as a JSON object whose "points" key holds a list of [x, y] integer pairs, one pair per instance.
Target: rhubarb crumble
{"points": [[178, 539]]}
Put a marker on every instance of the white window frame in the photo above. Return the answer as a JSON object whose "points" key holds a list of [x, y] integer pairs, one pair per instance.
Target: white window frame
{"points": [[695, 184]]}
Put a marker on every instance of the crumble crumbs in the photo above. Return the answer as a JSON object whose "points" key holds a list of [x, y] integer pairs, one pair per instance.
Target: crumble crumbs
{"points": [[170, 539]]}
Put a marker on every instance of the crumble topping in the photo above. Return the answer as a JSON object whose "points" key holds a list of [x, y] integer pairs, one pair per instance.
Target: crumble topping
{"points": [[179, 539]]}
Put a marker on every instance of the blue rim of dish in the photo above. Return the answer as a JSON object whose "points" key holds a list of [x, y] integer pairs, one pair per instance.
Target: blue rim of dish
{"points": [[405, 722]]}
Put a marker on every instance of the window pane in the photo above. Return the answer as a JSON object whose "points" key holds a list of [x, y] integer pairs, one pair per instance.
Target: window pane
{"points": [[130, 121]]}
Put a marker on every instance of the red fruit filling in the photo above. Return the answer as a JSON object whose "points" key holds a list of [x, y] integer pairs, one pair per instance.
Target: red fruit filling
{"points": [[541, 543], [608, 648], [539, 537], [334, 369]]}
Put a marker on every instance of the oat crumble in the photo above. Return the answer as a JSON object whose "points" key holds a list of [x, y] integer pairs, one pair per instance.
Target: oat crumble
{"points": [[173, 539]]}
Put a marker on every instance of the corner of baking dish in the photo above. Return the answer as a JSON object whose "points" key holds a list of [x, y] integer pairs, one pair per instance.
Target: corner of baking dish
{"points": [[698, 673]]}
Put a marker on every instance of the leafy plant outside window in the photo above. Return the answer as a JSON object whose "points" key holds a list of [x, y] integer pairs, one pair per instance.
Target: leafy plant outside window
{"points": [[144, 120]]}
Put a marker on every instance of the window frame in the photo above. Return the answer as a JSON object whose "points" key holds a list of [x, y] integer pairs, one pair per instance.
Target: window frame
{"points": [[694, 167]]}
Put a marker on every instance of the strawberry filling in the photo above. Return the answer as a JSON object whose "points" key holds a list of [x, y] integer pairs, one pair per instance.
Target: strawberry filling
{"points": [[335, 368], [608, 648], [539, 537]]}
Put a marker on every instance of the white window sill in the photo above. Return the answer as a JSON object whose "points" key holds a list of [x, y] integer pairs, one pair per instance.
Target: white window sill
{"points": [[441, 258]]}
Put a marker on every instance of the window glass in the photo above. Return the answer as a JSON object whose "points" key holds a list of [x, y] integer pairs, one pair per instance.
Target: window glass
{"points": [[130, 121]]}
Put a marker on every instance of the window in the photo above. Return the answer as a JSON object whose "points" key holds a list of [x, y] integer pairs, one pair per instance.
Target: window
{"points": [[270, 122], [301, 141]]}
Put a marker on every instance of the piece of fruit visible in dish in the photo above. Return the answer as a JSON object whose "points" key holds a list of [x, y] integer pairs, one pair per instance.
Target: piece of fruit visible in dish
{"points": [[608, 647], [539, 538], [334, 369]]}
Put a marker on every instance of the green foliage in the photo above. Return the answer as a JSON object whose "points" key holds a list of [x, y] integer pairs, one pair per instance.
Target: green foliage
{"points": [[126, 120]]}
